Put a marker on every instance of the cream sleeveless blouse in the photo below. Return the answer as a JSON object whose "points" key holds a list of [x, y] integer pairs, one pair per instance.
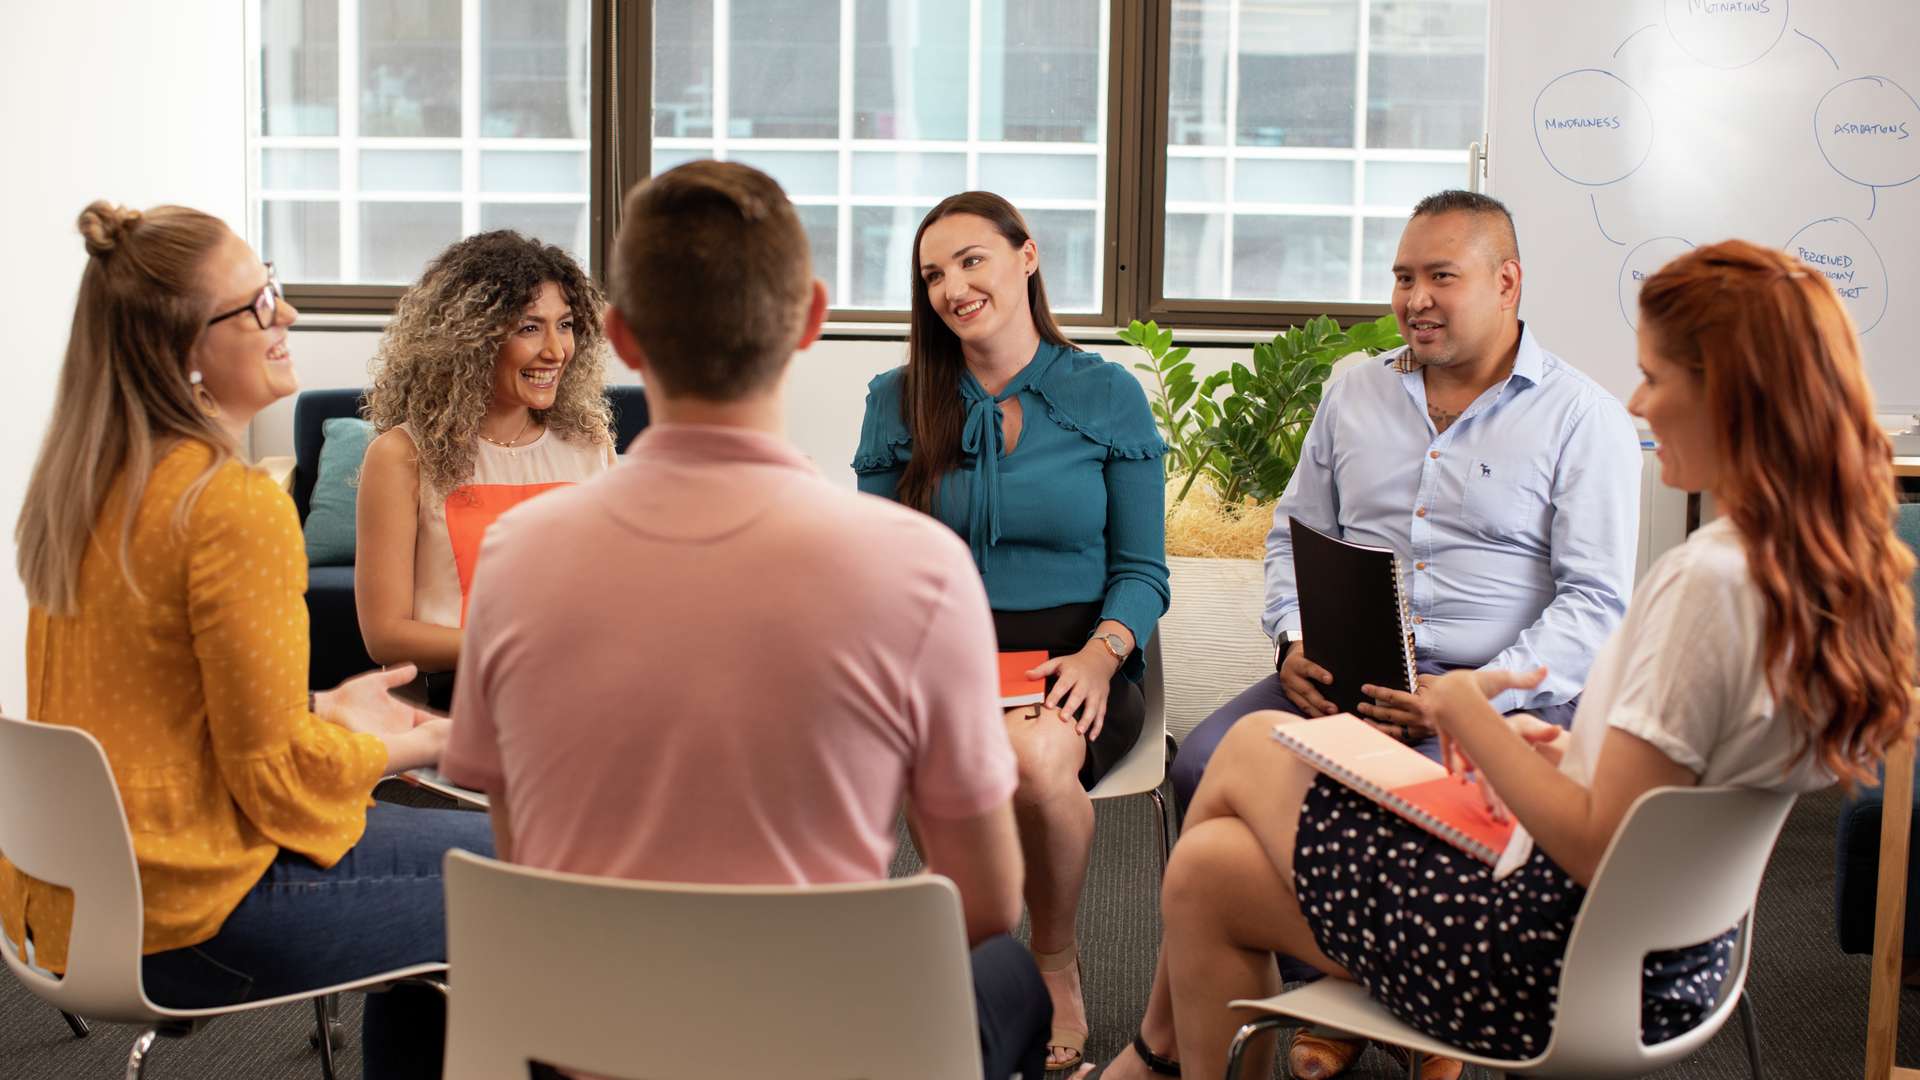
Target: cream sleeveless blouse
{"points": [[447, 542]]}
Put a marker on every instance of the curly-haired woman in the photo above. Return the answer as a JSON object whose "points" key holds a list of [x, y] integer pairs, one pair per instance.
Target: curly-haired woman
{"points": [[487, 390]]}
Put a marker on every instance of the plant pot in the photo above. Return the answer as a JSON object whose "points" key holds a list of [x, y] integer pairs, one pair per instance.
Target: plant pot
{"points": [[1211, 644]]}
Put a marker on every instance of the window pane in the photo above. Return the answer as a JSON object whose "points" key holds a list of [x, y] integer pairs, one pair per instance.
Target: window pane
{"points": [[1197, 76], [1195, 255], [301, 239], [1265, 180], [683, 69], [1297, 64], [1040, 71], [1379, 242], [667, 159], [557, 172], [300, 67], [883, 254], [1069, 252], [410, 68], [1285, 257], [1426, 69], [562, 224], [410, 170], [1196, 179], [785, 65], [397, 239], [299, 170], [1040, 176], [937, 175], [909, 69], [1403, 183], [823, 236], [799, 173], [535, 68]]}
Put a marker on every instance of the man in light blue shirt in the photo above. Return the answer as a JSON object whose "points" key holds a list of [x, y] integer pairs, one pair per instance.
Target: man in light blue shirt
{"points": [[1507, 482]]}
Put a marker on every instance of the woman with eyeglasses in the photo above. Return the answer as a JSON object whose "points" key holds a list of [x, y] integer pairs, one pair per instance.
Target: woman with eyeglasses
{"points": [[488, 389], [165, 578]]}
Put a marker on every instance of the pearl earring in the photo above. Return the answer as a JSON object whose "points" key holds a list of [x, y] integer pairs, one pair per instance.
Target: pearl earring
{"points": [[202, 397]]}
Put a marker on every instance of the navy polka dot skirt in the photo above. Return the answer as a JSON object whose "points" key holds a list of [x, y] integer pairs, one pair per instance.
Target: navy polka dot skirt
{"points": [[1449, 950]]}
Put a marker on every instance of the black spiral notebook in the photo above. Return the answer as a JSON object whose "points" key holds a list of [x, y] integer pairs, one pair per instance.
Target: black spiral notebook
{"points": [[1353, 614]]}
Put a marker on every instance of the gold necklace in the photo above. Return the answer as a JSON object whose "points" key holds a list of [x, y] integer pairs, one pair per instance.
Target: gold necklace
{"points": [[511, 444]]}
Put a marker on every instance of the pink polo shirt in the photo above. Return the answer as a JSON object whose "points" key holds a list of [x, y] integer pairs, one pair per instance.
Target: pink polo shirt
{"points": [[712, 665]]}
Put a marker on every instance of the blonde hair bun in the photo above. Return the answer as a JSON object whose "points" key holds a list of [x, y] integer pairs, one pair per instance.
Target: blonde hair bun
{"points": [[105, 225]]}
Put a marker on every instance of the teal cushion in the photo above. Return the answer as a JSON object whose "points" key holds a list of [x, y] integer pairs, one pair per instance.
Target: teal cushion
{"points": [[335, 488]]}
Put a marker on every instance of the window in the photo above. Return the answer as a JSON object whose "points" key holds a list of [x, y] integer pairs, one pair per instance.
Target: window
{"points": [[388, 131], [870, 111], [1300, 133], [1203, 162]]}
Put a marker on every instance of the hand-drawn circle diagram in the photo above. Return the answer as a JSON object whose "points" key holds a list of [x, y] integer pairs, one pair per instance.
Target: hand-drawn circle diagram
{"points": [[1866, 128], [1726, 33], [1592, 127], [1642, 263], [1839, 249]]}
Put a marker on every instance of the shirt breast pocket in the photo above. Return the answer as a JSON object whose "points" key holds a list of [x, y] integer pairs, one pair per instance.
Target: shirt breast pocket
{"points": [[1504, 498]]}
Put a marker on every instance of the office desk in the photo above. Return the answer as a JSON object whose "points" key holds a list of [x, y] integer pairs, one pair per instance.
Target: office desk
{"points": [[1906, 466]]}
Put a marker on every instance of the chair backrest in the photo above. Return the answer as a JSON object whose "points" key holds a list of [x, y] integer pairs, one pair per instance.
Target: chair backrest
{"points": [[1144, 767], [1684, 867], [61, 821], [640, 979]]}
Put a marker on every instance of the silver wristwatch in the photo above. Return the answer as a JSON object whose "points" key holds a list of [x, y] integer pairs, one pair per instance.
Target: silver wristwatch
{"points": [[1115, 644], [1284, 640]]}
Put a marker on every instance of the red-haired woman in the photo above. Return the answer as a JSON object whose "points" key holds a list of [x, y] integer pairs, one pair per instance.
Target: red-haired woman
{"points": [[1774, 649]]}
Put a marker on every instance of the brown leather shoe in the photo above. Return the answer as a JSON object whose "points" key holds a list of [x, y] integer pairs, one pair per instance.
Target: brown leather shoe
{"points": [[1318, 1057], [1432, 1066]]}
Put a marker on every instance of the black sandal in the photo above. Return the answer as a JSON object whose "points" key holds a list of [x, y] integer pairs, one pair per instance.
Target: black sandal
{"points": [[1157, 1065]]}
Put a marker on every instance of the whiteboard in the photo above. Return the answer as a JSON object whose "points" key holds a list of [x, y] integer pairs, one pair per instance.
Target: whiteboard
{"points": [[1623, 132]]}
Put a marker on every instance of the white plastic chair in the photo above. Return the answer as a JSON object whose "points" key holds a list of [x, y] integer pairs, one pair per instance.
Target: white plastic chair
{"points": [[62, 822], [632, 978], [1685, 865], [1144, 768]]}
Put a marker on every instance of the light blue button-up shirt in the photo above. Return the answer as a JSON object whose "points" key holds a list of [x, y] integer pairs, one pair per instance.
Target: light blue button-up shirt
{"points": [[1516, 528]]}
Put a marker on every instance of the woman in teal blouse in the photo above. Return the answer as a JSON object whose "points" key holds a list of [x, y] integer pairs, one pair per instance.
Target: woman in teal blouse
{"points": [[1046, 460]]}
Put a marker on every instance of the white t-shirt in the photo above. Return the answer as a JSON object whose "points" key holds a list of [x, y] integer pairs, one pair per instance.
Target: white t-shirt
{"points": [[1684, 673]]}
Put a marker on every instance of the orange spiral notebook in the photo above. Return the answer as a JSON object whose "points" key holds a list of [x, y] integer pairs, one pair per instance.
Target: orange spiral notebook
{"points": [[1015, 688], [1399, 778]]}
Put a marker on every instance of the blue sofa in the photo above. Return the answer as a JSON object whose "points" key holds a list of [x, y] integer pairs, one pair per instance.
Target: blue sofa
{"points": [[336, 649], [1857, 850]]}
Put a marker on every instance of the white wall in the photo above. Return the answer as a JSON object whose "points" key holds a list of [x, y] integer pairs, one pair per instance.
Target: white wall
{"points": [[138, 102]]}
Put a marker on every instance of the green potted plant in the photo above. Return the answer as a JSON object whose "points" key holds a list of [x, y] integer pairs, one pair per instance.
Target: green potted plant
{"points": [[1233, 442]]}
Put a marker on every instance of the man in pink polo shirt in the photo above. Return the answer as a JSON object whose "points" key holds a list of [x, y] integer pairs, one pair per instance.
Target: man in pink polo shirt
{"points": [[712, 665]]}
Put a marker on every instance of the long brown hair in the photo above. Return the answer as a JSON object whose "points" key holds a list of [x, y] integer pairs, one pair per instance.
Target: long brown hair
{"points": [[1807, 476], [930, 395], [124, 395]]}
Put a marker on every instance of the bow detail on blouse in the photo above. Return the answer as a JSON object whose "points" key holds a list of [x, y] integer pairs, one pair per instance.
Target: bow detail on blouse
{"points": [[982, 436]]}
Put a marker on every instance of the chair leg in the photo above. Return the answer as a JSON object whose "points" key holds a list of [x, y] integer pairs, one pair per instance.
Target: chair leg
{"points": [[1237, 1051], [79, 1025], [137, 1059], [1166, 836], [323, 1037], [1752, 1028]]}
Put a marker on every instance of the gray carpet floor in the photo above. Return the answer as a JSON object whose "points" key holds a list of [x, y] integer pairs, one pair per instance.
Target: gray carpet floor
{"points": [[1811, 1000]]}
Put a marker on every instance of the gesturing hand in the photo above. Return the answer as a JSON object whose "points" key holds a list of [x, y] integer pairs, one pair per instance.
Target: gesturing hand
{"points": [[365, 703], [1081, 683], [1399, 713]]}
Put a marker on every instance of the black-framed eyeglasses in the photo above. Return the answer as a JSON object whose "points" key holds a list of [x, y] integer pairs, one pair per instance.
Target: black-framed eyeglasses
{"points": [[264, 306]]}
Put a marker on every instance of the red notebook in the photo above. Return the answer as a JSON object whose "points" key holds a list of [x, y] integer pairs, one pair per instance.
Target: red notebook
{"points": [[1399, 778], [1015, 688]]}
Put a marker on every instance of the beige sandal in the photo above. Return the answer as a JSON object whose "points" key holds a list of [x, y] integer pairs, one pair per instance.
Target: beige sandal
{"points": [[1053, 965]]}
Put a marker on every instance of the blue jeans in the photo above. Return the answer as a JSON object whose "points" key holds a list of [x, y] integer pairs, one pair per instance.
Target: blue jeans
{"points": [[1197, 749], [379, 908]]}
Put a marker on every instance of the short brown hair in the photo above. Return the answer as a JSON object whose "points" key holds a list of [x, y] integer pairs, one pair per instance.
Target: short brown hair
{"points": [[711, 270]]}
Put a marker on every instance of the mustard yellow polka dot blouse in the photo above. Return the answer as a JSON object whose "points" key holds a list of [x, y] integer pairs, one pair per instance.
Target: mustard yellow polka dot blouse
{"points": [[196, 685]]}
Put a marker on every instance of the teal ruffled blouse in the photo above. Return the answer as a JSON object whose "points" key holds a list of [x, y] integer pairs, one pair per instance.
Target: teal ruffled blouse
{"points": [[1076, 512]]}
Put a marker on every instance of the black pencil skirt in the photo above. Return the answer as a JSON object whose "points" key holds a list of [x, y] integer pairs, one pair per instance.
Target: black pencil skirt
{"points": [[1063, 631]]}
